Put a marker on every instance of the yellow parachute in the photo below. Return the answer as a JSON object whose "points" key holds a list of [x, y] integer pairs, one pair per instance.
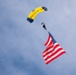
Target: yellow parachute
{"points": [[35, 12]]}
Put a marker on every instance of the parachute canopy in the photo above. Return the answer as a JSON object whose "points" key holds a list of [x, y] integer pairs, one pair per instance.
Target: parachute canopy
{"points": [[35, 12]]}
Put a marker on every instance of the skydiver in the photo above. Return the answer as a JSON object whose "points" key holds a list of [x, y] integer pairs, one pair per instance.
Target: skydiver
{"points": [[44, 25]]}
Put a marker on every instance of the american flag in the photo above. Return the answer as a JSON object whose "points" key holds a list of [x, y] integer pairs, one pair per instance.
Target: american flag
{"points": [[53, 49]]}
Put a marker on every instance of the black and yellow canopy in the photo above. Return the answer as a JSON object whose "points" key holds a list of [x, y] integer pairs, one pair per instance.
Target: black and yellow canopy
{"points": [[34, 13]]}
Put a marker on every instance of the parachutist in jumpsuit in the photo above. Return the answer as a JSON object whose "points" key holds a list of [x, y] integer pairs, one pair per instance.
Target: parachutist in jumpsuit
{"points": [[44, 25]]}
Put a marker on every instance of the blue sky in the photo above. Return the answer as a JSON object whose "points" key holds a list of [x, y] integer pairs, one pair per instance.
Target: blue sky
{"points": [[21, 42]]}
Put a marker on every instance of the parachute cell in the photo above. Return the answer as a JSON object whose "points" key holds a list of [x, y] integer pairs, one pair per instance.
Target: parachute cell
{"points": [[34, 13]]}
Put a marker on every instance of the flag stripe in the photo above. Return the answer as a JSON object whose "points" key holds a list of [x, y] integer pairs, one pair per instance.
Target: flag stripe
{"points": [[47, 62], [48, 48], [48, 53], [49, 41], [53, 53], [56, 45], [51, 50]]}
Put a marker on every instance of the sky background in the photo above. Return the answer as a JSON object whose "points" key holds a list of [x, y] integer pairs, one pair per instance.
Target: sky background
{"points": [[22, 43]]}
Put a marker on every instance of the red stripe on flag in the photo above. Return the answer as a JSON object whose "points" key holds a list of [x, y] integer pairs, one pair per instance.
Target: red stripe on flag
{"points": [[53, 53], [55, 57], [47, 41], [48, 53], [49, 47], [56, 45]]}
